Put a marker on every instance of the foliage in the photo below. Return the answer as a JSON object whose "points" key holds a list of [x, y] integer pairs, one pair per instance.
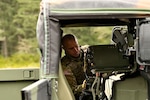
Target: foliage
{"points": [[90, 35], [18, 22], [20, 60], [8, 8]]}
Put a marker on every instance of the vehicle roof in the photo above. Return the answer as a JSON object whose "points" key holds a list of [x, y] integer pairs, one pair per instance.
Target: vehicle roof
{"points": [[99, 6], [110, 11], [81, 4]]}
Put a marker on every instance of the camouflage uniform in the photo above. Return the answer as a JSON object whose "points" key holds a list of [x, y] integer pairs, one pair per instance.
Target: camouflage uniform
{"points": [[74, 71]]}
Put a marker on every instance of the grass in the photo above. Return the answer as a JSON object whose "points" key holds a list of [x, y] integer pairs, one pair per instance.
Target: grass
{"points": [[20, 60]]}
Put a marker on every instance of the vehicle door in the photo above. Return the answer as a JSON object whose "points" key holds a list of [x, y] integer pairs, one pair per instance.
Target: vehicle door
{"points": [[143, 50], [52, 84]]}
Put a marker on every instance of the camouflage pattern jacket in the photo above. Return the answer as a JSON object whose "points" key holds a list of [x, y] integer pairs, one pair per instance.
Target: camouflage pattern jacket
{"points": [[74, 71]]}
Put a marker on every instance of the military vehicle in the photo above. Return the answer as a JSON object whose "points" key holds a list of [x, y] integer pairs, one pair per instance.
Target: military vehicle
{"points": [[125, 61]]}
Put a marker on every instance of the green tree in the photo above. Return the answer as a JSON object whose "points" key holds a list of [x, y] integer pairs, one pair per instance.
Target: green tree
{"points": [[26, 20], [18, 23], [8, 8]]}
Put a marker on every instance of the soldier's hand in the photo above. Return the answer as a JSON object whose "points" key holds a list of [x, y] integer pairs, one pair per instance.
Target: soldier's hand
{"points": [[84, 84]]}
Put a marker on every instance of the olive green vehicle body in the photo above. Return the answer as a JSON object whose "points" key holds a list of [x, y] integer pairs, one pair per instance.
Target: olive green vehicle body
{"points": [[51, 83]]}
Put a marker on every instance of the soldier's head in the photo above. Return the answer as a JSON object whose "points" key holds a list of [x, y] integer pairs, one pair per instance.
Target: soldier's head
{"points": [[70, 45]]}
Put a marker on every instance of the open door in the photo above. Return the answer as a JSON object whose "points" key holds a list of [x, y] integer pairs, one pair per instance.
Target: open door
{"points": [[143, 50], [143, 42], [37, 91]]}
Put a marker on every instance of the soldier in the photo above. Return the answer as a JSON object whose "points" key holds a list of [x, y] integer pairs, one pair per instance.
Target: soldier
{"points": [[73, 64]]}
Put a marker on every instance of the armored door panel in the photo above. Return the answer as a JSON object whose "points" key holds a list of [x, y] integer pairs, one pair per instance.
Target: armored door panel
{"points": [[143, 43], [37, 91]]}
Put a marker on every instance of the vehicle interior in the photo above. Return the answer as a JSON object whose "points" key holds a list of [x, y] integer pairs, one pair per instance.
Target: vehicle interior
{"points": [[114, 58]]}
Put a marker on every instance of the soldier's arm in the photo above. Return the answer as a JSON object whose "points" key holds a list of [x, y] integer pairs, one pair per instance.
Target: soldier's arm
{"points": [[79, 88]]}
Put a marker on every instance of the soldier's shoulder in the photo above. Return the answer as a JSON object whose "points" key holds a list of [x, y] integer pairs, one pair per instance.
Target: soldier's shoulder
{"points": [[65, 60]]}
